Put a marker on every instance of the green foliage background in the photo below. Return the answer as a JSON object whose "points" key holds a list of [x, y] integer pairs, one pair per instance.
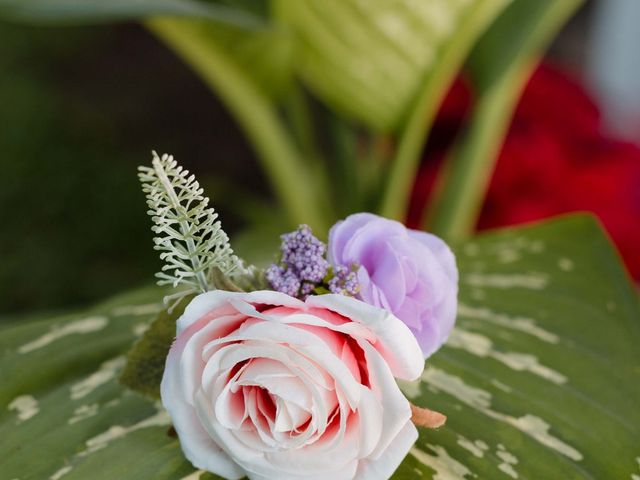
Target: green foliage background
{"points": [[80, 108]]}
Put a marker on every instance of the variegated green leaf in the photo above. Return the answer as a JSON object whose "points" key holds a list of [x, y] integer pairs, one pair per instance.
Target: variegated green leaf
{"points": [[371, 59], [540, 379]]}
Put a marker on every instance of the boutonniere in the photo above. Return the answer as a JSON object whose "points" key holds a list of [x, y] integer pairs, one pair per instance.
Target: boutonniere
{"points": [[290, 372]]}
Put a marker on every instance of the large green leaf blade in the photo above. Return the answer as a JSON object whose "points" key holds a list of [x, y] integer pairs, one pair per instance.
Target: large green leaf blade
{"points": [[368, 60], [498, 70], [540, 379], [74, 11]]}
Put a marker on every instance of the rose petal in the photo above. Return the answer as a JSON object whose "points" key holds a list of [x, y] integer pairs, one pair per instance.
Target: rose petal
{"points": [[395, 341], [395, 407], [382, 468], [197, 445]]}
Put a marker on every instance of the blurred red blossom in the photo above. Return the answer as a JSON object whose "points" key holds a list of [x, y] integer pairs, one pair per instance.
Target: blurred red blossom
{"points": [[555, 159]]}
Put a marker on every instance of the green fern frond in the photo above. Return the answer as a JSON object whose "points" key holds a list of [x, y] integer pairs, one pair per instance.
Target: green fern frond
{"points": [[189, 237]]}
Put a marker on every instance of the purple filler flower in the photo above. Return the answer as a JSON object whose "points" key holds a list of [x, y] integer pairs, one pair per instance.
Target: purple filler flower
{"points": [[283, 280], [304, 254], [303, 264], [344, 281], [410, 273]]}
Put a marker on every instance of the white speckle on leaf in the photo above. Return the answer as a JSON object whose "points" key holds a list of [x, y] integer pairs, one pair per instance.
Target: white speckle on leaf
{"points": [[565, 264], [477, 448], [533, 281], [454, 386], [522, 324], [25, 407], [159, 419], [508, 461], [482, 346], [501, 386], [140, 328], [527, 362], [508, 255], [112, 403], [147, 309], [83, 412], [446, 467], [194, 475], [86, 325], [411, 389], [473, 343], [633, 475], [418, 472], [61, 473], [480, 400], [477, 294], [104, 374], [539, 429], [471, 249], [536, 247]]}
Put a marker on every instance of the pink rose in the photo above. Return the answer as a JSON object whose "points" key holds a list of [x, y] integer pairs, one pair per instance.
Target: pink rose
{"points": [[265, 385], [412, 274]]}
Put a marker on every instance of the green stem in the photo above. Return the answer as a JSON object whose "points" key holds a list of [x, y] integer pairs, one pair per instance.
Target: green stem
{"points": [[469, 167], [300, 116], [255, 114], [500, 71], [345, 179], [395, 197]]}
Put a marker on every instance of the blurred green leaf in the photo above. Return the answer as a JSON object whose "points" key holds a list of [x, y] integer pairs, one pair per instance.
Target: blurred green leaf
{"points": [[83, 11], [471, 22], [498, 70], [207, 48], [264, 55], [369, 59], [540, 378]]}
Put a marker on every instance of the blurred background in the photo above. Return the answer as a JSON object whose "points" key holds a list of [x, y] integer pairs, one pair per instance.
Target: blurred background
{"points": [[81, 107]]}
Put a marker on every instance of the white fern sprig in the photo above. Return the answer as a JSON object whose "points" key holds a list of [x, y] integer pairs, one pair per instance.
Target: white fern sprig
{"points": [[189, 237]]}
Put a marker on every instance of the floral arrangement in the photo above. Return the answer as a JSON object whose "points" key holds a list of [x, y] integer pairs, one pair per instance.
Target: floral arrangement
{"points": [[290, 372]]}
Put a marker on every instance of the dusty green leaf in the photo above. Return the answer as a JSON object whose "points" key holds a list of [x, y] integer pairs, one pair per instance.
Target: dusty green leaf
{"points": [[145, 361]]}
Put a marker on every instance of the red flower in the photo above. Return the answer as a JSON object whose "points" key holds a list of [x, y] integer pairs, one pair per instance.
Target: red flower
{"points": [[555, 159]]}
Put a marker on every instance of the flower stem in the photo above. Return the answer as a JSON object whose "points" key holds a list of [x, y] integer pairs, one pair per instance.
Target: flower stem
{"points": [[395, 199], [499, 71]]}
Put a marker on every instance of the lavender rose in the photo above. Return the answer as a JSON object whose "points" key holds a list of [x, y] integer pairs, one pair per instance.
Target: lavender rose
{"points": [[410, 273]]}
